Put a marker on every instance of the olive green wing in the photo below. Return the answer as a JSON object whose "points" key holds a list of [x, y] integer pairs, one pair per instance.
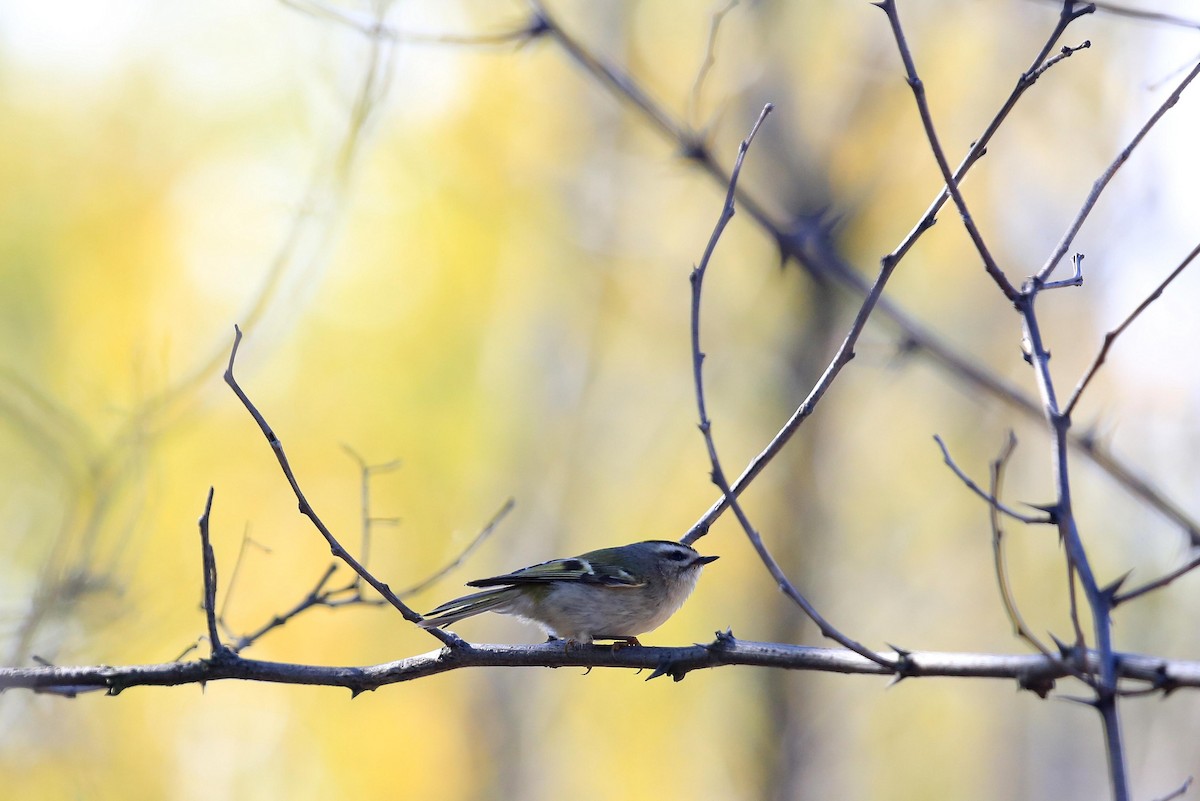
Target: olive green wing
{"points": [[577, 569]]}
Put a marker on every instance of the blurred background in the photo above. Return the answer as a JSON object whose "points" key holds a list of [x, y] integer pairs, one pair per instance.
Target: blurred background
{"points": [[473, 259]]}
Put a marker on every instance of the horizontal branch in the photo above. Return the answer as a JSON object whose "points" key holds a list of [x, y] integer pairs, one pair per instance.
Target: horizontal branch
{"points": [[1032, 671]]}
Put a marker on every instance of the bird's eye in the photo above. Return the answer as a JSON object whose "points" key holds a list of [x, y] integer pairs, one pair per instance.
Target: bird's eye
{"points": [[677, 556]]}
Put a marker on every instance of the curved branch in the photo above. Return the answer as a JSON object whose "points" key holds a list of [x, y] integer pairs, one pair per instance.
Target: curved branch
{"points": [[306, 509]]}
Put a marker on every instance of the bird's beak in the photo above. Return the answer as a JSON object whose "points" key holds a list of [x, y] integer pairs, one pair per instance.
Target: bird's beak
{"points": [[704, 560]]}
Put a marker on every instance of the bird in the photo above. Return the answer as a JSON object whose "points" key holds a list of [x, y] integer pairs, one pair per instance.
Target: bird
{"points": [[607, 594]]}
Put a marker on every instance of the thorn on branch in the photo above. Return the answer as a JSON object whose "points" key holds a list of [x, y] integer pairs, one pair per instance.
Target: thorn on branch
{"points": [[1051, 509], [1109, 592], [905, 666], [668, 667], [1067, 652]]}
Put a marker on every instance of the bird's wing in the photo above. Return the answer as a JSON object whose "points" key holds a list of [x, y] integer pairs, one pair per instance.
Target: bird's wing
{"points": [[575, 569]]}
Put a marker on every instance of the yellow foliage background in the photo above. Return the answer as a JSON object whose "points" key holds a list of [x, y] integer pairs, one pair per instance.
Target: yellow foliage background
{"points": [[475, 260]]}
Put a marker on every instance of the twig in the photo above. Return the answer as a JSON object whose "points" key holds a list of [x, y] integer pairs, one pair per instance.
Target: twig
{"points": [[1112, 335], [990, 498], [462, 556], [1102, 182], [977, 149], [1146, 16], [335, 547], [351, 594], [367, 520], [718, 476], [1158, 583], [209, 562], [710, 59], [1063, 54], [233, 575], [1178, 792], [315, 597], [1020, 627], [1076, 278], [939, 155]]}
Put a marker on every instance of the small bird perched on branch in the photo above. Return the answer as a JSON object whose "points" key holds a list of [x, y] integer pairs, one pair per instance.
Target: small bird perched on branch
{"points": [[608, 594]]}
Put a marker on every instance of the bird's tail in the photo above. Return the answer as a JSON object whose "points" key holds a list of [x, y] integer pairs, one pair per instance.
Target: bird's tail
{"points": [[493, 600]]}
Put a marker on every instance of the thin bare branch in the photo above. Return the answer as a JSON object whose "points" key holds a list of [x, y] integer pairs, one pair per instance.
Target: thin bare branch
{"points": [[209, 561], [999, 559], [1063, 54], [1158, 583], [351, 594], [1112, 335], [1075, 280], [306, 509], [939, 155], [318, 596], [710, 59], [237, 569], [718, 475], [367, 520], [989, 498], [1102, 182], [1145, 15], [462, 556], [1178, 792]]}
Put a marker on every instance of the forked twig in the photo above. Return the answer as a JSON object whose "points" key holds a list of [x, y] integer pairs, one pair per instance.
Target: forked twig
{"points": [[306, 509], [350, 594], [718, 475], [317, 596], [993, 501], [939, 155], [367, 520]]}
